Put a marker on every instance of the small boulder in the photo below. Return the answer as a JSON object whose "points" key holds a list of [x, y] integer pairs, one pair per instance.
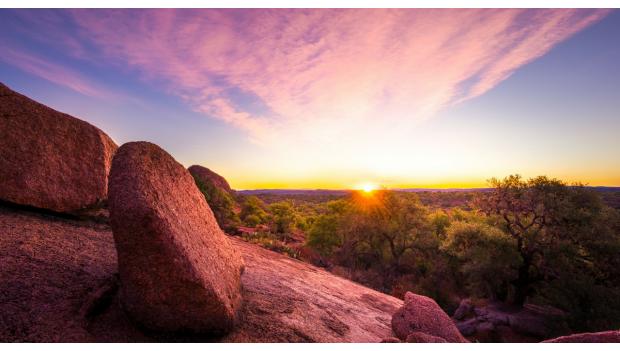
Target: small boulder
{"points": [[219, 196], [390, 340], [208, 176], [498, 317], [612, 336], [485, 331], [419, 337], [178, 271], [529, 324], [422, 314], [467, 327], [465, 309], [48, 159]]}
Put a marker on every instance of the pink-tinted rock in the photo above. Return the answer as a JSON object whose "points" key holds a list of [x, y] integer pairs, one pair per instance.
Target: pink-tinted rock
{"points": [[422, 314], [178, 270], [527, 323], [49, 159], [612, 336], [51, 268], [391, 340], [208, 176], [419, 337], [467, 327], [465, 309]]}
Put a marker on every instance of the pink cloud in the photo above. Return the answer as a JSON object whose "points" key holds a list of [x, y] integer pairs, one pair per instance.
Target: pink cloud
{"points": [[325, 74], [54, 73]]}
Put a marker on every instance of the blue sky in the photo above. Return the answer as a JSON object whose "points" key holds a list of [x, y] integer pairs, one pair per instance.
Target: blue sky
{"points": [[334, 99]]}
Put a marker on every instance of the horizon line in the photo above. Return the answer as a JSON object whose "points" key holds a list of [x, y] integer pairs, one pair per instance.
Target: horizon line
{"points": [[403, 189]]}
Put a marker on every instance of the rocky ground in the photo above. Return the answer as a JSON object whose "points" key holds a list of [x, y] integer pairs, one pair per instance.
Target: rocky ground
{"points": [[57, 283]]}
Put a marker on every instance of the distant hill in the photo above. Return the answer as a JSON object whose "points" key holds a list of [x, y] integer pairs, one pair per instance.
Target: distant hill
{"points": [[449, 190], [343, 192], [430, 197], [606, 188], [408, 190], [294, 192]]}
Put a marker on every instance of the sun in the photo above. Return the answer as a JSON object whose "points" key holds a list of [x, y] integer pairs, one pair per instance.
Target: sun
{"points": [[367, 187]]}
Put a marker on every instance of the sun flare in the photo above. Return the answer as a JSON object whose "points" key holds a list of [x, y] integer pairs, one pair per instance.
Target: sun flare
{"points": [[367, 187]]}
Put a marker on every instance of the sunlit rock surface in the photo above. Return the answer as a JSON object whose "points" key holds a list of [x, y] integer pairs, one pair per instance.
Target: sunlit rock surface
{"points": [[57, 283]]}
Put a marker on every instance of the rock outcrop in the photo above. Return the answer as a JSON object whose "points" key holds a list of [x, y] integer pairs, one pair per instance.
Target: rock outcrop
{"points": [[49, 267], [219, 196], [178, 271], [49, 159], [421, 314], [418, 337], [612, 336], [54, 273], [208, 176], [465, 309], [391, 340], [498, 322]]}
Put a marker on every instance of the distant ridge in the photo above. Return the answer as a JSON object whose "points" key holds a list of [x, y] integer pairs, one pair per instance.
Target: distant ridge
{"points": [[293, 191], [346, 191], [407, 190], [449, 190]]}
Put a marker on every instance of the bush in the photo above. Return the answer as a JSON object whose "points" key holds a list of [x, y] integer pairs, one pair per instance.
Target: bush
{"points": [[486, 258], [221, 203], [253, 211], [270, 241]]}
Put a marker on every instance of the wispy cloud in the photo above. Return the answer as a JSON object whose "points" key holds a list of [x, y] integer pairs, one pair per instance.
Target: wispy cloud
{"points": [[54, 73], [319, 74], [314, 76]]}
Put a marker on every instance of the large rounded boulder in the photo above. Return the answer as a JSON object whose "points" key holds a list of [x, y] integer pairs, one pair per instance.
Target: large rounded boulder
{"points": [[178, 271], [421, 314], [49, 159]]}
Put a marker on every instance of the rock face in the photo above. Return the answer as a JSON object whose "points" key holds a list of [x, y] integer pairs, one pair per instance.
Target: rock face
{"points": [[208, 176], [49, 159], [178, 271], [612, 336], [497, 322], [48, 267], [465, 309], [422, 314], [418, 337], [54, 273]]}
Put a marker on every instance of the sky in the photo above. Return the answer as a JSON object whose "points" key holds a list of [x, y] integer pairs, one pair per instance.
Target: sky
{"points": [[336, 99]]}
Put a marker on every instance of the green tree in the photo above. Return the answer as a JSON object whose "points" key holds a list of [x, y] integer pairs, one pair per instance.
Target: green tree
{"points": [[324, 234], [386, 231], [486, 258], [222, 204], [253, 211], [252, 220], [283, 217], [440, 221], [555, 229]]}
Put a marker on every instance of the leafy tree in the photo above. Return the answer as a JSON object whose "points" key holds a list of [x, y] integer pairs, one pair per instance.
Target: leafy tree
{"points": [[283, 217], [252, 220], [324, 235], [555, 229], [486, 257], [253, 211], [394, 225], [440, 221], [386, 231], [222, 204], [583, 276]]}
